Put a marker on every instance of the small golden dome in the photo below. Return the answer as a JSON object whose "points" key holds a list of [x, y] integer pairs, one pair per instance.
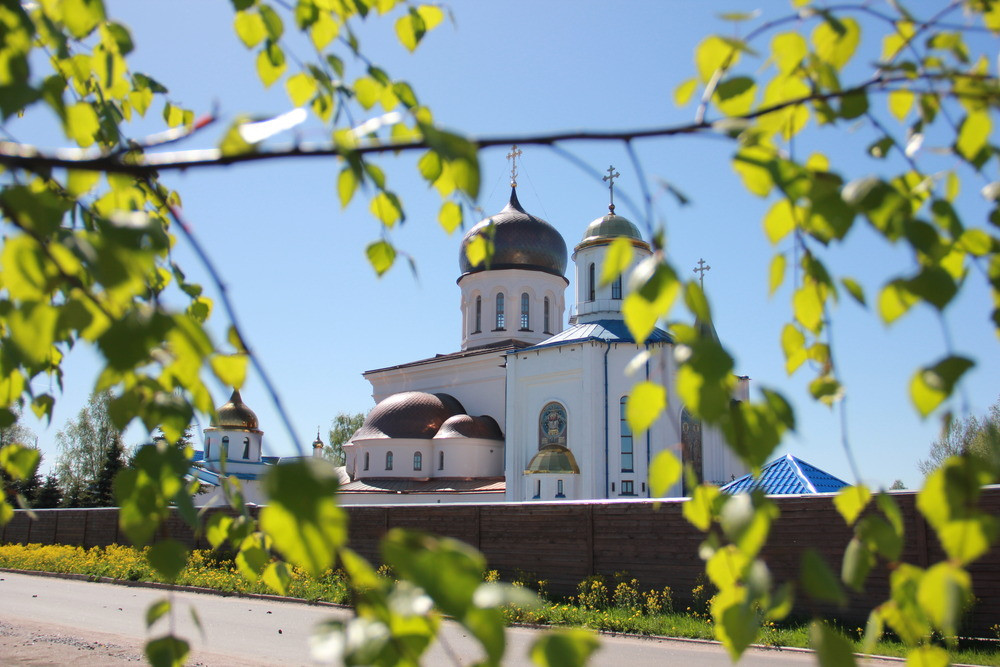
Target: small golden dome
{"points": [[235, 414], [553, 459]]}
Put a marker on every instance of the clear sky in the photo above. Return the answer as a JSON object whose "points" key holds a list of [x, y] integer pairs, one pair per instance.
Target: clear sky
{"points": [[316, 314]]}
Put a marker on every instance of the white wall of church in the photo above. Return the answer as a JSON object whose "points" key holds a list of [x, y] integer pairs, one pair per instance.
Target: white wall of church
{"points": [[605, 301], [512, 283], [439, 457]]}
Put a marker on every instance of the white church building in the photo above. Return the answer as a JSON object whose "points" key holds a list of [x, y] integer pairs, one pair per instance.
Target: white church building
{"points": [[530, 408]]}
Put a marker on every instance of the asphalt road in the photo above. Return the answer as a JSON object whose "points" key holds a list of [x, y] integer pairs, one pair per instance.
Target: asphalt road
{"points": [[104, 624]]}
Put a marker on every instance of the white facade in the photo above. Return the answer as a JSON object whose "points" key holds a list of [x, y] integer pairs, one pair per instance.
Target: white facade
{"points": [[511, 304]]}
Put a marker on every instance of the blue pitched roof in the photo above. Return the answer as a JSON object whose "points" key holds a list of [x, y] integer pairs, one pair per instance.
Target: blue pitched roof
{"points": [[787, 475], [609, 331]]}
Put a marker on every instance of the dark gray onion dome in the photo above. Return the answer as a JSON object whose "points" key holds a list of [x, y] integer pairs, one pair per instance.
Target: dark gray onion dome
{"points": [[466, 426], [520, 241], [235, 414], [409, 414]]}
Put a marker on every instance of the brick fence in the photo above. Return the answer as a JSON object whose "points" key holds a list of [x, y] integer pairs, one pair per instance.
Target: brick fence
{"points": [[565, 542]]}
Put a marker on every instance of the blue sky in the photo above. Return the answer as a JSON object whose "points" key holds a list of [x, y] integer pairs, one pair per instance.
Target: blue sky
{"points": [[316, 314]]}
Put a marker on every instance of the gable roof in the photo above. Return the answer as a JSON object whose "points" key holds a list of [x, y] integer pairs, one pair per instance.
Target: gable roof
{"points": [[787, 475], [605, 331]]}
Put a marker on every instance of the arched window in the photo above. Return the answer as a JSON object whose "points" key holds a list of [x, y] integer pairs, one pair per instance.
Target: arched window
{"points": [[418, 461], [224, 454], [479, 315], [545, 319], [560, 492], [691, 452], [552, 425], [525, 320], [366, 460], [616, 288], [246, 448], [440, 460], [388, 460], [591, 285], [500, 318], [208, 449], [626, 438]]}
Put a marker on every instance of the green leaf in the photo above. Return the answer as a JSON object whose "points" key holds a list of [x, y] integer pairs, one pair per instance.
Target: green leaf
{"points": [[450, 216], [931, 386], [683, 92], [270, 64], [301, 88], [713, 53], [277, 577], [779, 221], [253, 558], [82, 124], [808, 307], [928, 655], [412, 27], [347, 185], [273, 23], [323, 31], [858, 562], [386, 208], [703, 506], [645, 403], [231, 369], [836, 39], [168, 557], [776, 273], [974, 134], [6, 511], [217, 529], [788, 50], [81, 16], [167, 651], [735, 95], [80, 182], [832, 648], [818, 580], [965, 540], [735, 621], [617, 259], [664, 471], [894, 301], [944, 595], [19, 461], [851, 501], [854, 289], [302, 516], [156, 611], [381, 256], [564, 648], [479, 250], [900, 103], [250, 28]]}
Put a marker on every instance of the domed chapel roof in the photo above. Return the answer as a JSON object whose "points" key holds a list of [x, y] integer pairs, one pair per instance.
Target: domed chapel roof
{"points": [[520, 241], [409, 414], [235, 414]]}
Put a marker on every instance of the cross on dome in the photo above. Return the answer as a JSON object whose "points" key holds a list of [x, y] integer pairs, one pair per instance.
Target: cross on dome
{"points": [[700, 270], [610, 178], [514, 153]]}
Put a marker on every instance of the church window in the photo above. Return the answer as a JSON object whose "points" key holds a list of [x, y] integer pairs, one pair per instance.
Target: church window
{"points": [[559, 489], [545, 321], [628, 489], [616, 288], [538, 488], [525, 321], [500, 317], [208, 449], [388, 460], [479, 315], [224, 454], [591, 284], [418, 461], [691, 450], [626, 439], [246, 448], [552, 425], [440, 460], [367, 458]]}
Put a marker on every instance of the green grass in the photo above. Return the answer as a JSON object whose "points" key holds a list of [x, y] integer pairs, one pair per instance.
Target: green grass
{"points": [[620, 607]]}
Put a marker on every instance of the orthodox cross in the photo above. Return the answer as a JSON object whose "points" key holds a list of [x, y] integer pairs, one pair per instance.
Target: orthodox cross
{"points": [[514, 153], [612, 175], [700, 270]]}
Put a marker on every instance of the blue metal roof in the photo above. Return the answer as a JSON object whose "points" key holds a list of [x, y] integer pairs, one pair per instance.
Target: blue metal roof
{"points": [[605, 331], [787, 475]]}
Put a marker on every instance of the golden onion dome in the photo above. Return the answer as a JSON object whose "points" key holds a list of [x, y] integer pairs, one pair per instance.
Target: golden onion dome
{"points": [[235, 414], [553, 459]]}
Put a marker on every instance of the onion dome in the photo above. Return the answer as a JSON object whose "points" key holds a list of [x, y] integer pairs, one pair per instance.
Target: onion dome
{"points": [[553, 459], [235, 414], [465, 426], [520, 241], [318, 442], [611, 226], [409, 414]]}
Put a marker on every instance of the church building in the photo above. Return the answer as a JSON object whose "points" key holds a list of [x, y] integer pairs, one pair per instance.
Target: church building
{"points": [[532, 405]]}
